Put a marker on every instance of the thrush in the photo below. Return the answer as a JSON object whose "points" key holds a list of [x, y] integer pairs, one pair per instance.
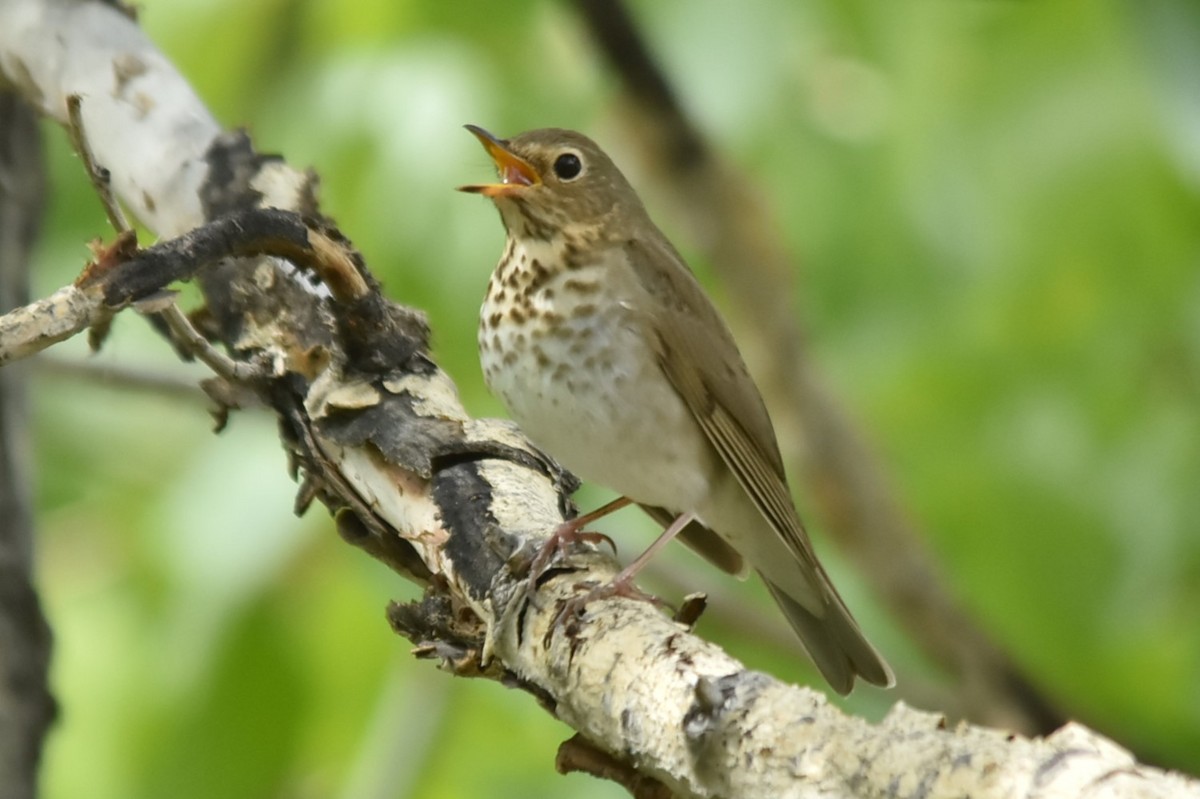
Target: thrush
{"points": [[607, 352]]}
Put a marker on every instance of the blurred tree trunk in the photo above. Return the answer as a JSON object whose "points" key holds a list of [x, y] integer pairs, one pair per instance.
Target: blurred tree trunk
{"points": [[26, 706]]}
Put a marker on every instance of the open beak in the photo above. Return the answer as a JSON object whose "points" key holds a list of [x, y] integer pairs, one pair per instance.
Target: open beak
{"points": [[515, 172]]}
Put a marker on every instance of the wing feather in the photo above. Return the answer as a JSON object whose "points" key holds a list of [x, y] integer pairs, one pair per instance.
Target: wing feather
{"points": [[698, 355]]}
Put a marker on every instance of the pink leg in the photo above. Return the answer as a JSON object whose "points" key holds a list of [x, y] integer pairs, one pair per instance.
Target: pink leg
{"points": [[629, 572], [622, 583], [570, 531], [579, 522]]}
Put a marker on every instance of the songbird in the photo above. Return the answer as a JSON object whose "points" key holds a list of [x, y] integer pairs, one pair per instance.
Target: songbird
{"points": [[607, 352]]}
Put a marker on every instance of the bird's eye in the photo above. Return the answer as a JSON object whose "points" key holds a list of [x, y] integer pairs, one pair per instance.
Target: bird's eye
{"points": [[567, 166]]}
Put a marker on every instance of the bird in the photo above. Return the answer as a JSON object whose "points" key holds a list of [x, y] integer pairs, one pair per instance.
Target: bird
{"points": [[607, 352]]}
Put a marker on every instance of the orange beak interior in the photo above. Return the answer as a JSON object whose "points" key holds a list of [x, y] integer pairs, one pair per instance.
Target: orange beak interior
{"points": [[515, 172]]}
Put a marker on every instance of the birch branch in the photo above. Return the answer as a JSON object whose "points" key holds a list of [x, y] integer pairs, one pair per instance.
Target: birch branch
{"points": [[460, 505]]}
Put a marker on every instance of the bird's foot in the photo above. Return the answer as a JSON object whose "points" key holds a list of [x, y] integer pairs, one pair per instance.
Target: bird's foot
{"points": [[568, 533], [560, 541], [619, 586]]}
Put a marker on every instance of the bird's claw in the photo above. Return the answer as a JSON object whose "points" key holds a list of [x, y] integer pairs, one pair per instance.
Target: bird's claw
{"points": [[560, 540], [616, 587]]}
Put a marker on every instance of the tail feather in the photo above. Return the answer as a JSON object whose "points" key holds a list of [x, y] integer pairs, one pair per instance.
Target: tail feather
{"points": [[704, 542], [834, 642]]}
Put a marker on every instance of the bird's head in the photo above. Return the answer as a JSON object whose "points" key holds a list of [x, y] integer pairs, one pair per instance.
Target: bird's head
{"points": [[551, 179]]}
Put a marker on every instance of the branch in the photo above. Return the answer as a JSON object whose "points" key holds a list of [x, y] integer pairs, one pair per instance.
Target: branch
{"points": [[121, 276], [119, 376], [460, 505], [732, 224]]}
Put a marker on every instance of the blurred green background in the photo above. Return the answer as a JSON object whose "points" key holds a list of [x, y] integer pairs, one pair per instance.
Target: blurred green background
{"points": [[996, 206]]}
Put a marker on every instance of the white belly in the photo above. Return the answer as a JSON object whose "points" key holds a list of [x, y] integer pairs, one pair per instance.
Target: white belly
{"points": [[596, 399]]}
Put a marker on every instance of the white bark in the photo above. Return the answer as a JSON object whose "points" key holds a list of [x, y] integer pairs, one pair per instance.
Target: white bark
{"points": [[684, 711], [638, 686], [138, 110]]}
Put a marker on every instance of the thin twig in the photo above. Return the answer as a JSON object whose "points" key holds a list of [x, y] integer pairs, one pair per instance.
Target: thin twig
{"points": [[185, 333], [118, 376], [99, 177]]}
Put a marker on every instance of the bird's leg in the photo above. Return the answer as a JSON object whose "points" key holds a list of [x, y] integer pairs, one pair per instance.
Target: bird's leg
{"points": [[622, 583], [571, 531], [626, 575]]}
